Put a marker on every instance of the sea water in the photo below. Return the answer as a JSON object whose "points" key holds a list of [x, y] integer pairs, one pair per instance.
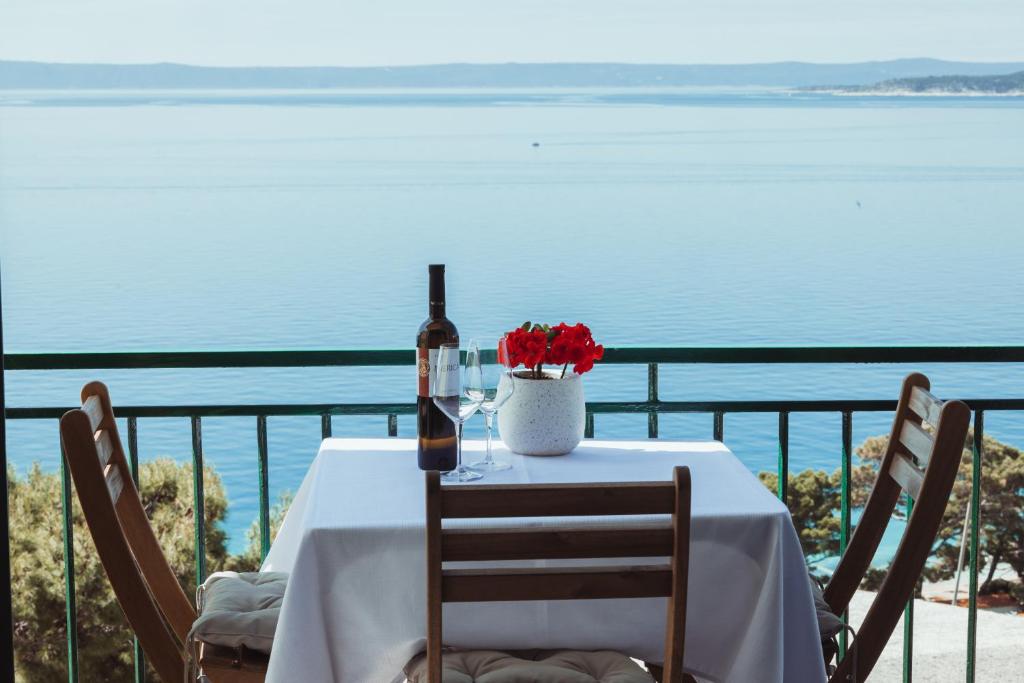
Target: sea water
{"points": [[304, 220]]}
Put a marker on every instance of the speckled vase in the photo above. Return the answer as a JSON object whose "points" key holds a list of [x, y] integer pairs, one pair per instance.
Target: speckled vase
{"points": [[543, 416]]}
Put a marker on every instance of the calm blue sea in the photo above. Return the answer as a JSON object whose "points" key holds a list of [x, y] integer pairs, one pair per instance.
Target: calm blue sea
{"points": [[280, 220]]}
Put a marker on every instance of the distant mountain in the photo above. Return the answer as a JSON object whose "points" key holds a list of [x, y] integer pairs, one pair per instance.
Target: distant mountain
{"points": [[1009, 84], [42, 75]]}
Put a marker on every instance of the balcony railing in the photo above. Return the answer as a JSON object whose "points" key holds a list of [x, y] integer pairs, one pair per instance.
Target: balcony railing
{"points": [[653, 407]]}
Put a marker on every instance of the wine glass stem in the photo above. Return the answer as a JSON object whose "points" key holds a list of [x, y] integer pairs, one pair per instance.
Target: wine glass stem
{"points": [[458, 446], [489, 422]]}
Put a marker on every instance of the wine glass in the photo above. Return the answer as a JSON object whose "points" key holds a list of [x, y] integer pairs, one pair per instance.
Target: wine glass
{"points": [[498, 385], [458, 392]]}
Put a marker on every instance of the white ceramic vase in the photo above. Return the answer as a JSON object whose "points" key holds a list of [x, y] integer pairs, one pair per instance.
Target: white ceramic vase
{"points": [[543, 416]]}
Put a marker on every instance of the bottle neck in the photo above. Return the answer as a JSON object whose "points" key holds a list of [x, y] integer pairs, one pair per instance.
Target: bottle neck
{"points": [[436, 301]]}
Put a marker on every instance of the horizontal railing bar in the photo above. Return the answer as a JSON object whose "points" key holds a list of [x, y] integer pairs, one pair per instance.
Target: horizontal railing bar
{"points": [[767, 406], [250, 410], [142, 360], [616, 355]]}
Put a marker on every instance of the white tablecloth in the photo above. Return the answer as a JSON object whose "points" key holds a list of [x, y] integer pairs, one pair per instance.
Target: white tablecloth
{"points": [[355, 608]]}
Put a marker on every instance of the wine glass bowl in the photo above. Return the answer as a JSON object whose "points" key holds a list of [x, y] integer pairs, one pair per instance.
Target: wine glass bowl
{"points": [[458, 392], [498, 384], [456, 408]]}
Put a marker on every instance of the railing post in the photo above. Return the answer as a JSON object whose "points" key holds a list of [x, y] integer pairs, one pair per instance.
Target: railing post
{"points": [[6, 614], [70, 599], [908, 623], [783, 471], [588, 426], [198, 499], [392, 425], [652, 397], [133, 463], [978, 448], [844, 527], [325, 426], [264, 483], [719, 427]]}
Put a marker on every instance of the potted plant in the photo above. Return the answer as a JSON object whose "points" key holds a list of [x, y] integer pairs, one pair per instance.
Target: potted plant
{"points": [[546, 412]]}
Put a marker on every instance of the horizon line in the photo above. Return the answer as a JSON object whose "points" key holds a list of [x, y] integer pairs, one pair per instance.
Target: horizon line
{"points": [[1019, 60]]}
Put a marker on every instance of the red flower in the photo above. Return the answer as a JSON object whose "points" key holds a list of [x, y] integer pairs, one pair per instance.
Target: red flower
{"points": [[526, 348], [533, 345]]}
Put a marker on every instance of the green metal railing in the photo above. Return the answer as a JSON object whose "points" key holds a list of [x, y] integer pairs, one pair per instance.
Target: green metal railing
{"points": [[6, 611], [653, 407]]}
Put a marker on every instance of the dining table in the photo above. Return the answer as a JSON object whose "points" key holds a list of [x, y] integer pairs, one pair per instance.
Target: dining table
{"points": [[353, 543]]}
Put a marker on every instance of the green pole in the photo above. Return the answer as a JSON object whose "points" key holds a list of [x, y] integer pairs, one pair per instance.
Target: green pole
{"points": [[908, 622], [978, 448], [844, 513], [70, 599], [6, 613]]}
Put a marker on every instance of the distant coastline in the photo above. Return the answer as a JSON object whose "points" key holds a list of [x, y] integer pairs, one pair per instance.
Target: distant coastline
{"points": [[25, 75], [1005, 85]]}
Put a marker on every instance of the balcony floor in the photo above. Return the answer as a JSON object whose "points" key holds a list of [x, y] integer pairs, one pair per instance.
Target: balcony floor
{"points": [[940, 644]]}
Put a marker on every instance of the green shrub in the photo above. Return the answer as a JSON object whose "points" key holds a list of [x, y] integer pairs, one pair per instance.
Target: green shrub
{"points": [[37, 561], [814, 499], [249, 560], [1001, 535]]}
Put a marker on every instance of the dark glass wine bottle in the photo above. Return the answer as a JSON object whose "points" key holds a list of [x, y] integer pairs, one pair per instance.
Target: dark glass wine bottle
{"points": [[436, 449]]}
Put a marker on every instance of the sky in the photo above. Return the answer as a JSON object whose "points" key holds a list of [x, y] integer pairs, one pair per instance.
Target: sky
{"points": [[395, 32]]}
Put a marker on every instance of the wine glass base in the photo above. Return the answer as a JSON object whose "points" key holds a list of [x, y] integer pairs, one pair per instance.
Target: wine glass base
{"points": [[489, 466], [461, 474]]}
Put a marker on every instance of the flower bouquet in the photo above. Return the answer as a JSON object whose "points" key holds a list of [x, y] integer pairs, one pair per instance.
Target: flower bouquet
{"points": [[546, 412]]}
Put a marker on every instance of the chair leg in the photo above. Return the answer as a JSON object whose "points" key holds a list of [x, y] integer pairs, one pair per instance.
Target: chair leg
{"points": [[658, 672]]}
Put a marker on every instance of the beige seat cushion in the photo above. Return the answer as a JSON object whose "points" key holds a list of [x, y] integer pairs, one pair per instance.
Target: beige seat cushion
{"points": [[240, 609], [531, 666]]}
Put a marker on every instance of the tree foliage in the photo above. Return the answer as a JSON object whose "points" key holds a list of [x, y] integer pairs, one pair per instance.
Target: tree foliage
{"points": [[1001, 537], [250, 559], [814, 499], [37, 568]]}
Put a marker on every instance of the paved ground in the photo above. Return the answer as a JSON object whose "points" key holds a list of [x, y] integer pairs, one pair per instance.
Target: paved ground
{"points": [[940, 644]]}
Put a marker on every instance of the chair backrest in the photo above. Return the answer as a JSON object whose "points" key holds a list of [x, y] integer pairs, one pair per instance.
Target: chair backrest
{"points": [[148, 591], [924, 465], [559, 542]]}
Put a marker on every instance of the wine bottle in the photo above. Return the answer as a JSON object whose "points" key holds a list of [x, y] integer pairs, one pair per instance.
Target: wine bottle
{"points": [[436, 449]]}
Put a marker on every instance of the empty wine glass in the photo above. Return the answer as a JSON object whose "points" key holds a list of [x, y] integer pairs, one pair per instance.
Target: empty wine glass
{"points": [[458, 392], [498, 385]]}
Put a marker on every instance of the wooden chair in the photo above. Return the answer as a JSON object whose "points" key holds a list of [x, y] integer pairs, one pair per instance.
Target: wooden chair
{"points": [[924, 465], [559, 543], [146, 588]]}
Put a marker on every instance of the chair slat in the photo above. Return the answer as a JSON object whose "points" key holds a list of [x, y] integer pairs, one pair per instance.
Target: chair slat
{"points": [[112, 475], [555, 583], [104, 447], [917, 441], [481, 545], [926, 405], [558, 500], [93, 407], [907, 475]]}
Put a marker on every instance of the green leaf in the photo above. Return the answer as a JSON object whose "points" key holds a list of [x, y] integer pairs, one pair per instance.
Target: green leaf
{"points": [[525, 326]]}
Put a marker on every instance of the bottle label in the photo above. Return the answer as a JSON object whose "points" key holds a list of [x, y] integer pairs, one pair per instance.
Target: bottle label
{"points": [[426, 372]]}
